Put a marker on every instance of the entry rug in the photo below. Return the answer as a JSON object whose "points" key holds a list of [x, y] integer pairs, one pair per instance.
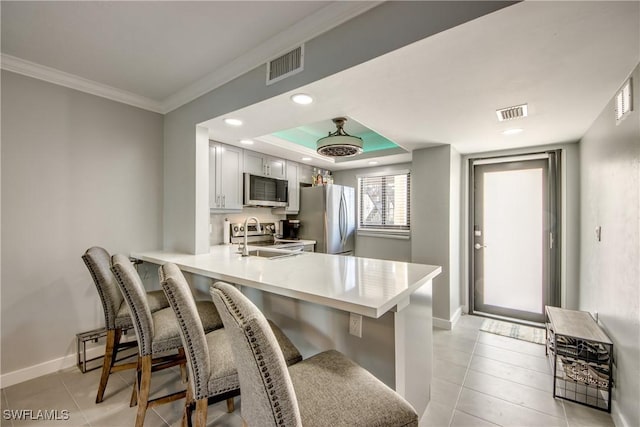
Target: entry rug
{"points": [[512, 330]]}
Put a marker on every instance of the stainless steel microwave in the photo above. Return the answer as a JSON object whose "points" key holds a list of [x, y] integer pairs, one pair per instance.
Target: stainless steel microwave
{"points": [[265, 191]]}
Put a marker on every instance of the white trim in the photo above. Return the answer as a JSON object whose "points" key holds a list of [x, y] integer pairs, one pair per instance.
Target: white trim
{"points": [[25, 374], [448, 324], [325, 19], [618, 419], [51, 75], [312, 26]]}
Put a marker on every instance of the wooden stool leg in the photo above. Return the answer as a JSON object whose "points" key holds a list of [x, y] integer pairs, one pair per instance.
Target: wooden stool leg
{"points": [[183, 366], [111, 349], [202, 407], [231, 406], [143, 392], [136, 385], [186, 415]]}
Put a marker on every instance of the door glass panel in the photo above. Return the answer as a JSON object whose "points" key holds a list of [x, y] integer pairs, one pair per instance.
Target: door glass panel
{"points": [[513, 210]]}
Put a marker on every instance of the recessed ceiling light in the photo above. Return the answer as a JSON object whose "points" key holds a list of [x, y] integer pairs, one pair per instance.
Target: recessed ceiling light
{"points": [[302, 98], [246, 142], [233, 122], [373, 163], [511, 131], [306, 159]]}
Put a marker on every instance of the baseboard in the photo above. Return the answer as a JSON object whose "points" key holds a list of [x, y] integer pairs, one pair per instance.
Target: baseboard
{"points": [[45, 368], [448, 324], [618, 418]]}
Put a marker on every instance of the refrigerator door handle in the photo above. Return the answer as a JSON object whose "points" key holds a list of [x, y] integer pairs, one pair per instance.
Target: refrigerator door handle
{"points": [[343, 222]]}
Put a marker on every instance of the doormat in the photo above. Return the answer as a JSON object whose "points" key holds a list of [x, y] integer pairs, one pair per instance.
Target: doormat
{"points": [[512, 330]]}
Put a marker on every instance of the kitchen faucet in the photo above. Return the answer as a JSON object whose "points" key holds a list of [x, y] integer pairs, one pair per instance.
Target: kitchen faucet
{"points": [[245, 249]]}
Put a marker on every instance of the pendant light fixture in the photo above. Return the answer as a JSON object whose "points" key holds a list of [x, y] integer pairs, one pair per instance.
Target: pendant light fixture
{"points": [[339, 143]]}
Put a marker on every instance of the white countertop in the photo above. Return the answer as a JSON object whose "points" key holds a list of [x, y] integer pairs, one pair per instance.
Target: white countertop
{"points": [[366, 286]]}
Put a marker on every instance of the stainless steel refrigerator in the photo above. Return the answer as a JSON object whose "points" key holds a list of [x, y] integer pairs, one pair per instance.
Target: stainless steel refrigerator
{"points": [[327, 215]]}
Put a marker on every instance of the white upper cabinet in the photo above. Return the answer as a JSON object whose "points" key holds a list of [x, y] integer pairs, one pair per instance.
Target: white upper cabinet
{"points": [[263, 165], [293, 207], [305, 174], [225, 177]]}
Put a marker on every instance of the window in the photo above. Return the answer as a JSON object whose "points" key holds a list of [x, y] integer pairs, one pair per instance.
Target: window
{"points": [[624, 102], [383, 202]]}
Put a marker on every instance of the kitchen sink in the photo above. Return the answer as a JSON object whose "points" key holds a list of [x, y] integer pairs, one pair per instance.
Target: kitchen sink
{"points": [[265, 253]]}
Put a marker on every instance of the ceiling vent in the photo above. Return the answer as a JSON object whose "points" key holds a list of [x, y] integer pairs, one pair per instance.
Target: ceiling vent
{"points": [[511, 113], [285, 65]]}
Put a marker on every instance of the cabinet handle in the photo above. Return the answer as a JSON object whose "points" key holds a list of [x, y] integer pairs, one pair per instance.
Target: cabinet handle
{"points": [[217, 201], [224, 202]]}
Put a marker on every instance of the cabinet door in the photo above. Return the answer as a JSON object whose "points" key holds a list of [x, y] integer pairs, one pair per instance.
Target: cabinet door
{"points": [[276, 168], [254, 163], [294, 188], [305, 173], [214, 172], [230, 177]]}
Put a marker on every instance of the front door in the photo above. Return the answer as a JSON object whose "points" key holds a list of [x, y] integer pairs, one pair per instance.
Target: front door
{"points": [[514, 236]]}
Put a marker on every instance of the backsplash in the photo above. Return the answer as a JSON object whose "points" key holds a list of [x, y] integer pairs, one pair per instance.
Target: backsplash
{"points": [[217, 221]]}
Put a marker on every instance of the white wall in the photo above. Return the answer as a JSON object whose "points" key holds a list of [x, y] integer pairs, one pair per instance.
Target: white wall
{"points": [[376, 247], [610, 269], [77, 170]]}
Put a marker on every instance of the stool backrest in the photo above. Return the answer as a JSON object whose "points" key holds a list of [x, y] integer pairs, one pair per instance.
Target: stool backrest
{"points": [[181, 300], [136, 297], [268, 397], [98, 261]]}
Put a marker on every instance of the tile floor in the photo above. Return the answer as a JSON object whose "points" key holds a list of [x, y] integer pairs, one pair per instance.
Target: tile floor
{"points": [[479, 380]]}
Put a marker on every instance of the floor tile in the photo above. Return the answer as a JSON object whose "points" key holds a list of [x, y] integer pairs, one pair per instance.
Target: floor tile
{"points": [[451, 355], [446, 339], [519, 394], [503, 413], [535, 363], [513, 373], [583, 416], [448, 371], [445, 392], [461, 419], [46, 393], [437, 415], [507, 343]]}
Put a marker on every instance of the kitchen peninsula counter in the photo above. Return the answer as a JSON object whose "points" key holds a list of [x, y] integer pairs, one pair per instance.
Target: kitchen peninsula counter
{"points": [[365, 286], [321, 300]]}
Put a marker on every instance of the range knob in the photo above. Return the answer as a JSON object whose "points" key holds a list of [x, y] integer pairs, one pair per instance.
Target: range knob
{"points": [[235, 228]]}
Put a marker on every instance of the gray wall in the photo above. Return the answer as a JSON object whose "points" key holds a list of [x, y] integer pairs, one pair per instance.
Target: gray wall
{"points": [[376, 247], [374, 33], [433, 237], [610, 269], [77, 171]]}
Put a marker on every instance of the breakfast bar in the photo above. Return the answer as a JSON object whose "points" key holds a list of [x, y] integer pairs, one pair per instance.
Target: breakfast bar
{"points": [[377, 312]]}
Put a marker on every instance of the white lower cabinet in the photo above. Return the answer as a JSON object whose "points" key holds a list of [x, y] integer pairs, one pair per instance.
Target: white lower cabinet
{"points": [[225, 177]]}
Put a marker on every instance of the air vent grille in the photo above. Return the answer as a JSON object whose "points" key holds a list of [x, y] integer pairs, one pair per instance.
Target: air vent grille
{"points": [[285, 65], [510, 113]]}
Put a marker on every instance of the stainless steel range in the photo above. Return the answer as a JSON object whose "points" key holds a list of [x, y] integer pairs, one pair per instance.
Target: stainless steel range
{"points": [[265, 237]]}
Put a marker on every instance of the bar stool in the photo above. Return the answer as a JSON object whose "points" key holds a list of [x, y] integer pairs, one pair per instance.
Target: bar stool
{"points": [[326, 389], [116, 313], [157, 333], [212, 372]]}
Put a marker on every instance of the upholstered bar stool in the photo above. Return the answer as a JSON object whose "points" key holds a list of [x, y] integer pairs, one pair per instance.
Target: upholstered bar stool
{"points": [[116, 313], [157, 333], [212, 373], [327, 389]]}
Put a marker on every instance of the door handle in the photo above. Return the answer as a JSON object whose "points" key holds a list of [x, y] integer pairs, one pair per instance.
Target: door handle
{"points": [[479, 246]]}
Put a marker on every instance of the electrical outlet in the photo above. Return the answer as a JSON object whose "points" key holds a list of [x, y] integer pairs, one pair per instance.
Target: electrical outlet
{"points": [[355, 325]]}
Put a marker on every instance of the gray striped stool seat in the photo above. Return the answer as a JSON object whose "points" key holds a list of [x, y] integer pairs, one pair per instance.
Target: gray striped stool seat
{"points": [[326, 389]]}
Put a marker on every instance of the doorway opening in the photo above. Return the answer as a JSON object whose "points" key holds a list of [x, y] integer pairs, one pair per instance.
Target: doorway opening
{"points": [[514, 235]]}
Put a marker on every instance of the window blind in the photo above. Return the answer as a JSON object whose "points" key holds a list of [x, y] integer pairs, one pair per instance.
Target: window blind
{"points": [[383, 202]]}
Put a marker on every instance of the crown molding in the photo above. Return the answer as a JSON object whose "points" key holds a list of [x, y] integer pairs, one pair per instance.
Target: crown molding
{"points": [[72, 81], [310, 27]]}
